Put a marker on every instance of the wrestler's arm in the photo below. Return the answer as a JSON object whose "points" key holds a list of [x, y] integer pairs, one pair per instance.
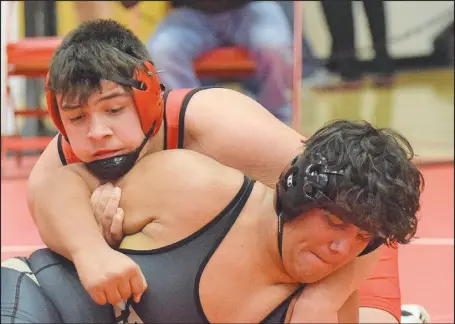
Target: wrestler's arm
{"points": [[329, 295], [60, 201], [51, 189], [238, 132]]}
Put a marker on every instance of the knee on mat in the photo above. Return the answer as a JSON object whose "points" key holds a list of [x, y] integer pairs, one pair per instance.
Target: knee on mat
{"points": [[22, 298]]}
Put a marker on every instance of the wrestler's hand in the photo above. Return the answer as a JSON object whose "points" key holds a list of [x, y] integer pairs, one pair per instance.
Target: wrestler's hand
{"points": [[105, 201], [108, 275]]}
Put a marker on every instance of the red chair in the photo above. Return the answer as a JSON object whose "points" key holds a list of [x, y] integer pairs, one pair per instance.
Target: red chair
{"points": [[30, 58], [222, 62], [235, 62], [225, 62]]}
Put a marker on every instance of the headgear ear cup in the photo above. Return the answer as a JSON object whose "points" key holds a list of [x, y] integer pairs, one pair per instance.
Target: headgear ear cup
{"points": [[149, 101], [301, 186], [52, 108]]}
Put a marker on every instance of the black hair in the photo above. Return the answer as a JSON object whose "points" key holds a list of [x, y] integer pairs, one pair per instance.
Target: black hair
{"points": [[95, 50], [381, 186]]}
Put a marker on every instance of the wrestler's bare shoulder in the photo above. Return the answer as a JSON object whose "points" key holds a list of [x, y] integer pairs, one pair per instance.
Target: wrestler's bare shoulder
{"points": [[195, 181], [193, 174], [171, 194], [177, 162], [196, 173]]}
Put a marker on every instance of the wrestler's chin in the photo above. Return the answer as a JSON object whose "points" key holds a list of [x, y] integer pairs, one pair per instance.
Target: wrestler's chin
{"points": [[310, 268]]}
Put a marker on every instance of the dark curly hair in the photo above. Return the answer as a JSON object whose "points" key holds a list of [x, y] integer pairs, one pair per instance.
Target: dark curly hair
{"points": [[380, 185], [95, 50]]}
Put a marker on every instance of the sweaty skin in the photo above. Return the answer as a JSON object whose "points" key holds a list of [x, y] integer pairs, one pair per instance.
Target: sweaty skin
{"points": [[211, 185], [223, 124], [160, 219]]}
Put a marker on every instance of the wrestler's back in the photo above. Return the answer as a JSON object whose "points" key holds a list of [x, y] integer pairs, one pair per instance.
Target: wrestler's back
{"points": [[225, 296], [165, 189]]}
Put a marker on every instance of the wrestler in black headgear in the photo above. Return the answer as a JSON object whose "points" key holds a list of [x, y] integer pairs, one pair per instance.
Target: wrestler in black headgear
{"points": [[304, 186]]}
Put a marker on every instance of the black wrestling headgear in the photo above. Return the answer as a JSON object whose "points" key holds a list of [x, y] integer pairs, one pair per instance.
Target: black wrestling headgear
{"points": [[303, 187]]}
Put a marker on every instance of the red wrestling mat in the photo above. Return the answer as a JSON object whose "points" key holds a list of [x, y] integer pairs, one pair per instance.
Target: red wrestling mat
{"points": [[426, 266]]}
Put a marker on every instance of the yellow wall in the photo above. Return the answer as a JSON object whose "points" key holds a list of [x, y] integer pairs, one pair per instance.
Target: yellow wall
{"points": [[20, 19], [67, 17]]}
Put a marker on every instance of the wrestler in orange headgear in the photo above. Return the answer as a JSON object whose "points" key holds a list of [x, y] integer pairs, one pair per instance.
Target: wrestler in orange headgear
{"points": [[147, 95]]}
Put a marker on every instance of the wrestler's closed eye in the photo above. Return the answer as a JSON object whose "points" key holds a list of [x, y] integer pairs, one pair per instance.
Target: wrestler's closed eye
{"points": [[363, 236], [335, 222], [76, 118], [115, 110]]}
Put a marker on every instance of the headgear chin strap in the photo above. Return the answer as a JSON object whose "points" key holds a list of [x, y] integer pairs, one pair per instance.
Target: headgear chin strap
{"points": [[303, 187], [113, 168]]}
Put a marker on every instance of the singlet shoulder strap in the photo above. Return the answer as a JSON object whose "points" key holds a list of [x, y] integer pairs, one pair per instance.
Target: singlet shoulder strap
{"points": [[65, 152], [175, 103], [175, 106], [278, 315]]}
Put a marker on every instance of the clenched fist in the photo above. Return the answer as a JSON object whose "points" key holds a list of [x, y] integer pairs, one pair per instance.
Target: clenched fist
{"points": [[108, 275]]}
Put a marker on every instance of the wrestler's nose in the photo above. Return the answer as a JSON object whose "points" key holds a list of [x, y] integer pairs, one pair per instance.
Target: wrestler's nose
{"points": [[98, 128], [340, 246]]}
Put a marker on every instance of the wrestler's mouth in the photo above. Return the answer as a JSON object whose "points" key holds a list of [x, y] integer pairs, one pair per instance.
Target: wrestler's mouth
{"points": [[104, 154]]}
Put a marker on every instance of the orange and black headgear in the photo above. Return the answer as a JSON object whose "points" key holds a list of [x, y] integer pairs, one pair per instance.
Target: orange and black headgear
{"points": [[147, 93]]}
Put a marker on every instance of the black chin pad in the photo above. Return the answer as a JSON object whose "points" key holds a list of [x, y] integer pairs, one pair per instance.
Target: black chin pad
{"points": [[113, 168]]}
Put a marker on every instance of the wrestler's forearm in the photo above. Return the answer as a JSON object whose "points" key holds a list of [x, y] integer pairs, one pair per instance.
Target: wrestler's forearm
{"points": [[63, 214], [329, 294]]}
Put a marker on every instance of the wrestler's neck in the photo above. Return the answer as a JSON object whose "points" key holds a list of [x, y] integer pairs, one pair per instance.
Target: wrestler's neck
{"points": [[267, 229]]}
